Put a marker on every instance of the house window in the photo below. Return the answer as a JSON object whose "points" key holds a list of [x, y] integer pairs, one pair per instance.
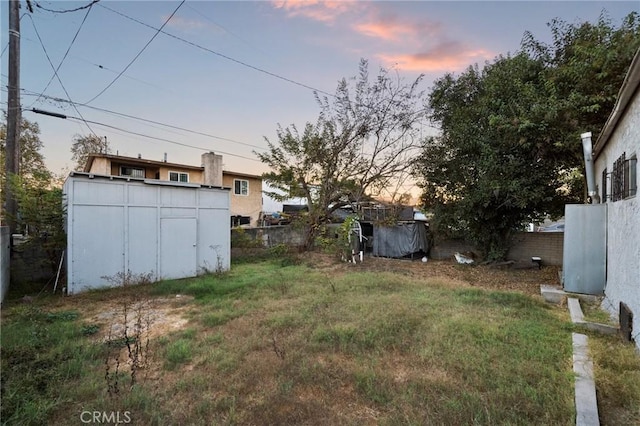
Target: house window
{"points": [[630, 177], [604, 186], [240, 187], [624, 178], [617, 179], [132, 171], [178, 177]]}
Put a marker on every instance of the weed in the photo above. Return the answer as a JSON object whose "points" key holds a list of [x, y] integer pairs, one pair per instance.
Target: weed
{"points": [[178, 352], [277, 348], [129, 330], [219, 269], [90, 329], [62, 316], [189, 333], [241, 240]]}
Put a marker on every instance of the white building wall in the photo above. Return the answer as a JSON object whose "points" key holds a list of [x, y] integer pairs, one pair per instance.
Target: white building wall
{"points": [[160, 229], [269, 205], [623, 222]]}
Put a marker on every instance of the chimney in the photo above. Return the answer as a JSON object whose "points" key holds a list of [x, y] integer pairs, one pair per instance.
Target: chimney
{"points": [[587, 149], [165, 157], [212, 164]]}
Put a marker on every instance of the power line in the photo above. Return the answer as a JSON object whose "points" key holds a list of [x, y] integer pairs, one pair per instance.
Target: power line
{"points": [[37, 111], [56, 74], [226, 30], [139, 53], [133, 117], [67, 10], [65, 54], [102, 67], [230, 58], [220, 54]]}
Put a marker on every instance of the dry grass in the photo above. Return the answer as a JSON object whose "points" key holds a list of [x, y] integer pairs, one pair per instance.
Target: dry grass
{"points": [[385, 342]]}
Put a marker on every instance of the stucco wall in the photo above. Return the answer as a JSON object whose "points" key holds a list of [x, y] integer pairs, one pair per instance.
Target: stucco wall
{"points": [[623, 223], [245, 205], [5, 255]]}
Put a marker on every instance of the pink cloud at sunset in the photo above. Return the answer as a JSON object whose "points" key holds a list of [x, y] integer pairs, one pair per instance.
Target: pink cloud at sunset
{"points": [[392, 29], [318, 10], [448, 56]]}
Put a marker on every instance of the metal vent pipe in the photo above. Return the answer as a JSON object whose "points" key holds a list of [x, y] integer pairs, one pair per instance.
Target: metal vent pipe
{"points": [[587, 150]]}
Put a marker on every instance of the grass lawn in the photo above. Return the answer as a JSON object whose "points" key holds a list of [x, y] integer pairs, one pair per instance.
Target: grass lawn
{"points": [[278, 342]]}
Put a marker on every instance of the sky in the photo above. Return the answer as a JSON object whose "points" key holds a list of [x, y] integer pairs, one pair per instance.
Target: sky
{"points": [[225, 74]]}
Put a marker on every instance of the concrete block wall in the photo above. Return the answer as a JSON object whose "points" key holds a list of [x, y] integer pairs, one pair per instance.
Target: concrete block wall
{"points": [[546, 245], [5, 259], [274, 235], [445, 249]]}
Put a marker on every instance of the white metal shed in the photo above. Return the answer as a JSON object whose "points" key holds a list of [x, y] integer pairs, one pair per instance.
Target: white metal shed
{"points": [[142, 226]]}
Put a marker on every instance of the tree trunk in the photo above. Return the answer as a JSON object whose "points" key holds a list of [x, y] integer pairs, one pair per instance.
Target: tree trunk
{"points": [[310, 238]]}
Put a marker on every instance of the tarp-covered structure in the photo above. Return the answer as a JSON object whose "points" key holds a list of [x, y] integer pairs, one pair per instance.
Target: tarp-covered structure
{"points": [[400, 240]]}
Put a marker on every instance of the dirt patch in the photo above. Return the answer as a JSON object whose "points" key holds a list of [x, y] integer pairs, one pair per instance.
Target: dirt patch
{"points": [[159, 315]]}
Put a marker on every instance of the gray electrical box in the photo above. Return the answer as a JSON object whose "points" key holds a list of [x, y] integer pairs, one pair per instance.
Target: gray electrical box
{"points": [[585, 248]]}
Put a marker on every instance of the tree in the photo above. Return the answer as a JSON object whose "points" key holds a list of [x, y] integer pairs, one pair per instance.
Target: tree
{"points": [[83, 146], [584, 68], [491, 169], [32, 168], [41, 215], [40, 204], [361, 142], [510, 150], [31, 159]]}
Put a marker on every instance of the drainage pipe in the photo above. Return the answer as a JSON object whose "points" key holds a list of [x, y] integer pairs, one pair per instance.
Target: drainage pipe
{"points": [[587, 150]]}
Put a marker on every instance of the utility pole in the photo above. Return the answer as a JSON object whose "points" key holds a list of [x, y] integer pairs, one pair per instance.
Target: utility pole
{"points": [[12, 147]]}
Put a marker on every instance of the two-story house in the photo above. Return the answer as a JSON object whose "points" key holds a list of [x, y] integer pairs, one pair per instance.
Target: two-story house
{"points": [[246, 189]]}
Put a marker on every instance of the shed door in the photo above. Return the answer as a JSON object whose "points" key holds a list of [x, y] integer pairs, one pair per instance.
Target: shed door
{"points": [[178, 247]]}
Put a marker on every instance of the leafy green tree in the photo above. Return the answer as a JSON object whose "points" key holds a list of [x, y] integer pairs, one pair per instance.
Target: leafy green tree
{"points": [[40, 204], [489, 171], [31, 159], [510, 151], [83, 146], [41, 215], [362, 141], [585, 65]]}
